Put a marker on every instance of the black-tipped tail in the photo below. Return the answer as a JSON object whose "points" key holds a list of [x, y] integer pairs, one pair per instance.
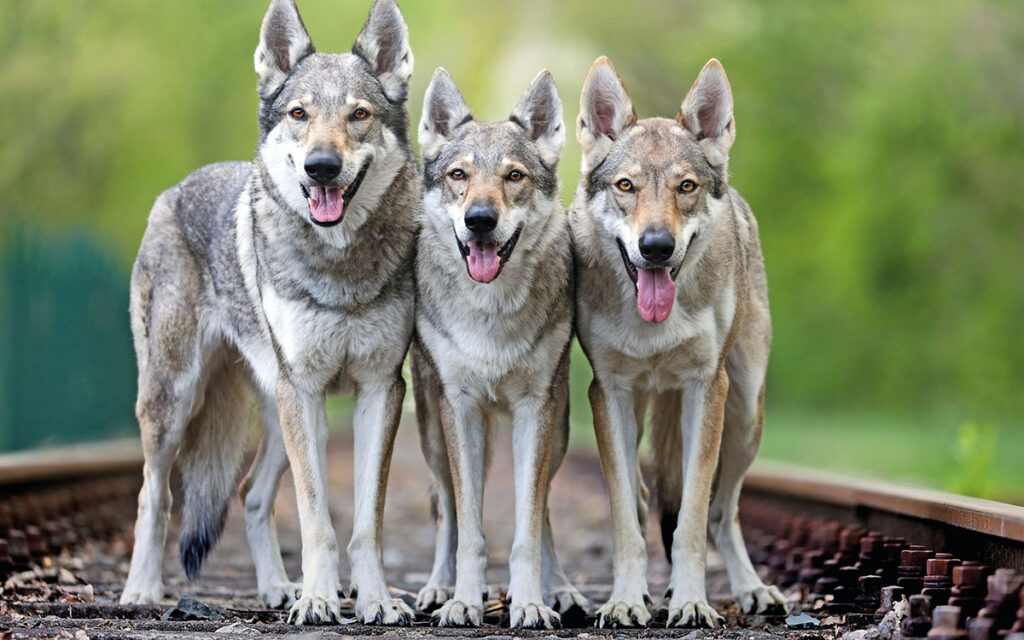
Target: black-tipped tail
{"points": [[198, 540]]}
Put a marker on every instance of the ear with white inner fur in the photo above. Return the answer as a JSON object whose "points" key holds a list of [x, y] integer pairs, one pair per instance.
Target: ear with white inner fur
{"points": [[707, 113], [605, 112], [283, 43], [384, 44], [444, 109], [540, 112]]}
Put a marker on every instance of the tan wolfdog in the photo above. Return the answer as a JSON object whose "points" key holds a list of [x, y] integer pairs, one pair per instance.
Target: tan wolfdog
{"points": [[672, 311]]}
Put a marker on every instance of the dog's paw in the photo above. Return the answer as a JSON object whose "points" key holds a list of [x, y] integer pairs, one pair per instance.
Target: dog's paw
{"points": [[762, 600], [456, 613], [533, 616], [569, 599], [135, 595], [619, 613], [280, 596], [384, 611], [694, 615], [431, 598], [315, 611]]}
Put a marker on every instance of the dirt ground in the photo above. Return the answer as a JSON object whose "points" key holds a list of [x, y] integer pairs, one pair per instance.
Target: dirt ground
{"points": [[580, 520]]}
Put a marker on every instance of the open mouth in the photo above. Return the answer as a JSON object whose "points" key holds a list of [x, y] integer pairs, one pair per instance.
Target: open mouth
{"points": [[327, 204], [484, 260], [655, 287]]}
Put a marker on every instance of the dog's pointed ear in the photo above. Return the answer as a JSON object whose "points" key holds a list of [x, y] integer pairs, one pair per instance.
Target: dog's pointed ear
{"points": [[444, 110], [283, 43], [384, 44], [605, 112], [707, 113], [539, 112]]}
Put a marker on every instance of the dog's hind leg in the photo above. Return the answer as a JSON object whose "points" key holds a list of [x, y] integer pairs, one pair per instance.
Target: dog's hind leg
{"points": [[375, 423], [170, 365], [259, 491], [559, 592], [427, 390], [643, 494], [741, 438]]}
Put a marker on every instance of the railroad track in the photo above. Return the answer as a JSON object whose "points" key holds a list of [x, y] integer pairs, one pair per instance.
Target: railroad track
{"points": [[843, 549]]}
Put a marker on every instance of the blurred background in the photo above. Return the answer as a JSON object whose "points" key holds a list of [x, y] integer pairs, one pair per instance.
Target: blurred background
{"points": [[880, 144]]}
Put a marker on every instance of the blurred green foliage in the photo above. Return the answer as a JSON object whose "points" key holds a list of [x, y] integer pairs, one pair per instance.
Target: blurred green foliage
{"points": [[880, 144], [976, 451]]}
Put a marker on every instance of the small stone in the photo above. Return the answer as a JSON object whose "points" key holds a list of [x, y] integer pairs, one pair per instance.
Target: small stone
{"points": [[802, 621]]}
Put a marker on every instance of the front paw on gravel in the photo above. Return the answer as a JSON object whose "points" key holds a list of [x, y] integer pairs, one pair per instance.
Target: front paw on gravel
{"points": [[315, 611], [387, 611], [762, 600], [280, 596], [533, 616], [696, 615], [430, 599], [614, 615], [456, 613]]}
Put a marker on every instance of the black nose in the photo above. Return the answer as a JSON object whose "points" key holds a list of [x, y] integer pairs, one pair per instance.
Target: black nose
{"points": [[481, 218], [323, 166], [657, 245]]}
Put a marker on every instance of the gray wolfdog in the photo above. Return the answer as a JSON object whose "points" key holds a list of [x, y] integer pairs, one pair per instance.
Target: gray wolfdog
{"points": [[493, 327], [289, 277], [672, 309]]}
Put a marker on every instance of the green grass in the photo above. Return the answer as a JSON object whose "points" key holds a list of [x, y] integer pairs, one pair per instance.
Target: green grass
{"points": [[917, 450]]}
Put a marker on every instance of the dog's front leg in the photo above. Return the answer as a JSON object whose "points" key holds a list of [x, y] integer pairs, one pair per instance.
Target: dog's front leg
{"points": [[616, 430], [702, 419], [466, 436], [377, 412], [532, 430], [304, 425]]}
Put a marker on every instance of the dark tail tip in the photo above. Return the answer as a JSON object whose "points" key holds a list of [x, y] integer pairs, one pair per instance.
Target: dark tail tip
{"points": [[669, 521], [197, 543]]}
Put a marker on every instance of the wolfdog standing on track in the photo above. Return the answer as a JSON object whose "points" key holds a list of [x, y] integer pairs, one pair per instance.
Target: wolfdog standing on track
{"points": [[493, 325], [672, 308], [288, 276]]}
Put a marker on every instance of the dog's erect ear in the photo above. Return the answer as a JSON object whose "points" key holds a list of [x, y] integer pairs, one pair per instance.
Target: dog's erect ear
{"points": [[540, 113], [283, 43], [444, 109], [384, 44], [605, 112], [707, 113]]}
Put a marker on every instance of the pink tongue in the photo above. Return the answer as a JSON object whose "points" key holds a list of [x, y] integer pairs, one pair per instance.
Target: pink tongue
{"points": [[326, 204], [655, 293], [483, 261]]}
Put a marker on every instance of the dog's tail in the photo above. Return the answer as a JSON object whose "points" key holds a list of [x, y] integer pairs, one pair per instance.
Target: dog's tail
{"points": [[667, 445], [209, 459]]}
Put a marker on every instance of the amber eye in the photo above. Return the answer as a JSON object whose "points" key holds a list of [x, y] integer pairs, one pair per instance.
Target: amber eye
{"points": [[688, 186], [298, 113], [457, 174], [516, 176], [360, 114], [624, 185]]}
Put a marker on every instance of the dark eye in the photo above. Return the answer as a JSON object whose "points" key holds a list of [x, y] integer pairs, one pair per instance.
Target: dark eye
{"points": [[688, 186], [516, 176], [624, 185], [457, 174], [298, 113], [360, 114]]}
